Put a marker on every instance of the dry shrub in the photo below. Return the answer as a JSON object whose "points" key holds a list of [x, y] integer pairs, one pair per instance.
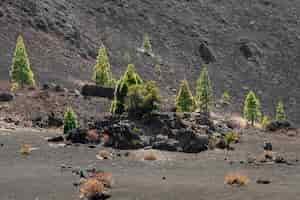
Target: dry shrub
{"points": [[90, 188], [92, 135], [236, 179], [26, 149], [237, 137], [103, 154], [268, 154], [104, 177], [150, 155]]}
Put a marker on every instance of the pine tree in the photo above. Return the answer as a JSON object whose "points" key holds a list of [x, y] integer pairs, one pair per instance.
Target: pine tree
{"points": [[265, 122], [252, 108], [280, 114], [147, 44], [20, 71], [185, 101], [70, 120], [225, 99], [204, 93], [102, 72], [128, 79]]}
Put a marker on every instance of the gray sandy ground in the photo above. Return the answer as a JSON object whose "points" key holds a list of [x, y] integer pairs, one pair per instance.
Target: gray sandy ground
{"points": [[188, 176]]}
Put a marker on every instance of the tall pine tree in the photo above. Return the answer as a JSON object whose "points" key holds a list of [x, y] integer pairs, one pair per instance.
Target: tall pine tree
{"points": [[185, 101], [204, 93], [70, 120], [20, 71], [280, 114], [102, 72], [128, 79], [252, 108]]}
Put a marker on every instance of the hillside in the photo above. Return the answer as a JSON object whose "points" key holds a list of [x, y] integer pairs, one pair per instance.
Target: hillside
{"points": [[248, 44]]}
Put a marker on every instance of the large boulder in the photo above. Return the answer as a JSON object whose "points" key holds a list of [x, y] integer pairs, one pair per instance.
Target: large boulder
{"points": [[6, 96], [97, 91], [78, 135]]}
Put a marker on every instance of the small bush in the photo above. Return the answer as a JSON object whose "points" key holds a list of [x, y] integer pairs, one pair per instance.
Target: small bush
{"points": [[229, 138], [147, 44], [150, 155], [91, 188], [142, 99], [70, 120], [103, 154], [236, 179], [104, 177], [26, 149], [14, 87], [265, 122]]}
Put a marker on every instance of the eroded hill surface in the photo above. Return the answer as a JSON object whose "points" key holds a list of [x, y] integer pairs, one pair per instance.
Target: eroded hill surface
{"points": [[248, 44]]}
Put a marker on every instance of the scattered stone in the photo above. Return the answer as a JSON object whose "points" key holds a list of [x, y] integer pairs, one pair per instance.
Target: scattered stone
{"points": [[6, 96], [59, 138], [97, 91], [276, 125], [77, 135], [279, 159], [263, 181]]}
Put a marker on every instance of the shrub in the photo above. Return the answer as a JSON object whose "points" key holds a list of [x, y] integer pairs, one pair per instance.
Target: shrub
{"points": [[252, 108], [14, 87], [26, 149], [105, 177], [265, 122], [142, 99], [225, 99], [147, 44], [102, 73], [280, 114], [185, 101], [91, 188], [20, 71], [130, 78], [229, 138], [150, 155], [236, 179], [204, 93], [70, 120]]}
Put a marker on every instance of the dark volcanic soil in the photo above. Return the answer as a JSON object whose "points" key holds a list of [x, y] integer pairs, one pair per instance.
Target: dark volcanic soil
{"points": [[248, 44], [188, 176]]}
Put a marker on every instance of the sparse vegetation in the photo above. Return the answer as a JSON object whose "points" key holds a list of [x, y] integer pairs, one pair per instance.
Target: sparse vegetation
{"points": [[229, 138], [237, 179], [280, 114], [20, 72], [142, 99], [129, 79], [147, 44], [252, 111], [265, 122], [204, 93], [70, 120], [91, 188], [185, 101], [26, 149], [150, 155], [102, 72]]}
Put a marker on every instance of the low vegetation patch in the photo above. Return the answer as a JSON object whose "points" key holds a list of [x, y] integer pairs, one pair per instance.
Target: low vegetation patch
{"points": [[150, 155], [237, 179], [90, 188]]}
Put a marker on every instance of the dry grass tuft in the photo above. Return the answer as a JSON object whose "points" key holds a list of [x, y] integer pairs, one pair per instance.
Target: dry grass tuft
{"points": [[26, 149], [90, 188], [104, 177], [103, 154], [236, 179], [150, 155]]}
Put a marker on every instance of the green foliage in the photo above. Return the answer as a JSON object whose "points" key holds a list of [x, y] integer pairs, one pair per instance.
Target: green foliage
{"points": [[128, 79], [225, 99], [265, 122], [14, 87], [70, 120], [229, 138], [157, 69], [204, 93], [142, 99], [280, 114], [252, 108], [147, 44], [20, 71], [185, 101], [102, 73]]}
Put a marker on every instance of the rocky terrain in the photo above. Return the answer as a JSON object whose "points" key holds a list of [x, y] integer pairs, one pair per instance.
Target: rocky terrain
{"points": [[248, 44]]}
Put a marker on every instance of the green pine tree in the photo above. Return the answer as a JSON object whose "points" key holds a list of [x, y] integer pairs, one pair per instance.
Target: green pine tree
{"points": [[147, 44], [128, 79], [204, 93], [225, 99], [185, 101], [102, 72], [252, 108], [20, 71], [280, 114], [70, 120]]}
